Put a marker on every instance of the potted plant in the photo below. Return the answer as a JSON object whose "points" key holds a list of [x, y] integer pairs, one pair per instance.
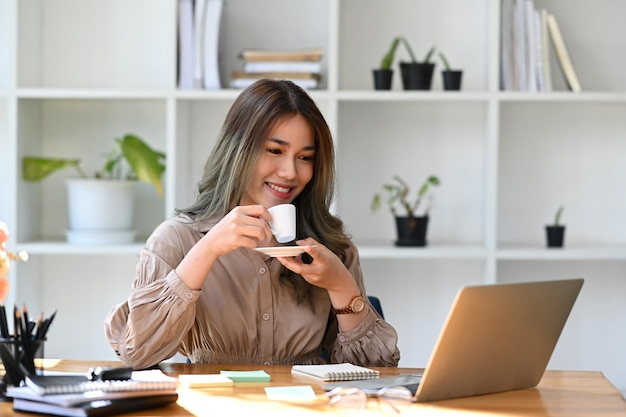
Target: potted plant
{"points": [[451, 78], [417, 75], [101, 207], [412, 221], [555, 232], [383, 75]]}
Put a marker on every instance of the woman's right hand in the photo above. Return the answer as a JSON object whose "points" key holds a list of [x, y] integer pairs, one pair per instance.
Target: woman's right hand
{"points": [[243, 226]]}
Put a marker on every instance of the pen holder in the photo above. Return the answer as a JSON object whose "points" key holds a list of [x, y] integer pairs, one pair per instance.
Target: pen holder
{"points": [[18, 357]]}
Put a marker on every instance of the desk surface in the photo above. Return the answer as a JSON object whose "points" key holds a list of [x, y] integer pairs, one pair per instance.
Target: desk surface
{"points": [[560, 393]]}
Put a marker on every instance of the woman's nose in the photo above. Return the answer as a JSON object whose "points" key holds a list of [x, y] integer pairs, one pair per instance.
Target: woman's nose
{"points": [[287, 168]]}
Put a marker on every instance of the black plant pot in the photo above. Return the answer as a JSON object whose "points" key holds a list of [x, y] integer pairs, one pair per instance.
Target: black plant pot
{"points": [[417, 75], [382, 79], [555, 236], [411, 230], [452, 80]]}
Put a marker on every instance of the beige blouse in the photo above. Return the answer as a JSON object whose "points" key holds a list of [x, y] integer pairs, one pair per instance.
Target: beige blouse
{"points": [[242, 314]]}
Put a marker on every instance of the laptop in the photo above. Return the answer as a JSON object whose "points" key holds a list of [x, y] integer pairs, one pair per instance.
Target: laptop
{"points": [[496, 338]]}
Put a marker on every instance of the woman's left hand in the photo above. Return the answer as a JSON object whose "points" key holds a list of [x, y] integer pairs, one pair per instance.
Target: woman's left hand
{"points": [[326, 271]]}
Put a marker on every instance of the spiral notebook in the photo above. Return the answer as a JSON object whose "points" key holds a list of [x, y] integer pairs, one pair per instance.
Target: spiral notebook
{"points": [[153, 379], [335, 372]]}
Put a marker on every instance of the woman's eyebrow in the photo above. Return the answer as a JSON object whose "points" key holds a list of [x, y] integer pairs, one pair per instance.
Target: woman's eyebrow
{"points": [[285, 143]]}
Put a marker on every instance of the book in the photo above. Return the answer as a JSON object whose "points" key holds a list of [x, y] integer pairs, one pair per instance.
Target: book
{"points": [[545, 50], [530, 60], [185, 44], [96, 408], [73, 399], [211, 77], [519, 45], [567, 67], [240, 79], [204, 380], [507, 60], [336, 372], [247, 376], [65, 384], [309, 54], [282, 66], [246, 82], [199, 18]]}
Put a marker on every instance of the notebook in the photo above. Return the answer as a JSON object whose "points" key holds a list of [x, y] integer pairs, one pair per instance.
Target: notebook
{"points": [[65, 384], [496, 338], [74, 399], [335, 372], [96, 408]]}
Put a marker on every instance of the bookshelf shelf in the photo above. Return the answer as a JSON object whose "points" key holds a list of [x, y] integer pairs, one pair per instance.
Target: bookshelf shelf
{"points": [[507, 159]]}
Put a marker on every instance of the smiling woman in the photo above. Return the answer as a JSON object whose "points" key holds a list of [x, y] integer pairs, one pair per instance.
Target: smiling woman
{"points": [[286, 165], [202, 288]]}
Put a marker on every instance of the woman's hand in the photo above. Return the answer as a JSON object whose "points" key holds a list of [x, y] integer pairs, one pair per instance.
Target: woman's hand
{"points": [[243, 226], [326, 271]]}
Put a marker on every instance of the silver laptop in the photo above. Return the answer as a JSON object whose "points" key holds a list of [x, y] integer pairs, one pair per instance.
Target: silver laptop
{"points": [[496, 338]]}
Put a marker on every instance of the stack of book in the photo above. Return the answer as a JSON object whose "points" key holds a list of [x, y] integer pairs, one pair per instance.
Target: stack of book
{"points": [[302, 66], [76, 395], [198, 43], [526, 34]]}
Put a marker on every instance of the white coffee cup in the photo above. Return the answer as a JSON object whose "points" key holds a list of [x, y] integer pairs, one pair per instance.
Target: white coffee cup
{"points": [[283, 223]]}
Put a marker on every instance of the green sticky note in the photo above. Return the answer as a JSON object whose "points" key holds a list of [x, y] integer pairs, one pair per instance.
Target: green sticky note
{"points": [[247, 376], [291, 393]]}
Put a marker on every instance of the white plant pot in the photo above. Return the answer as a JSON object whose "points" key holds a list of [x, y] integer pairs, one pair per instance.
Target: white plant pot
{"points": [[100, 211]]}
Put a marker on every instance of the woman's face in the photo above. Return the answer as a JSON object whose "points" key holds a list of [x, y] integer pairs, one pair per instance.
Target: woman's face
{"points": [[285, 166]]}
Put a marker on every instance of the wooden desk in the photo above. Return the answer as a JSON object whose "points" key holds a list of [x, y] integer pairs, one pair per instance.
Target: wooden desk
{"points": [[560, 393]]}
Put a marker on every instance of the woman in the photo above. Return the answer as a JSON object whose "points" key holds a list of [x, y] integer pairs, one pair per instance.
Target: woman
{"points": [[200, 288]]}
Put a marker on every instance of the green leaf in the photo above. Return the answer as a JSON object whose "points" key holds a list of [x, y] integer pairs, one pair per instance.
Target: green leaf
{"points": [[446, 64], [557, 216], [36, 169], [409, 49], [429, 54], [147, 164], [388, 58]]}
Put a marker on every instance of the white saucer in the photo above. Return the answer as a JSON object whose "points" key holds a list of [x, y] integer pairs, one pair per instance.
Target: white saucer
{"points": [[275, 251], [100, 237]]}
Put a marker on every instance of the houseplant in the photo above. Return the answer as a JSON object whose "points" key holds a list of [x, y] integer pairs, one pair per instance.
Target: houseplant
{"points": [[383, 75], [451, 78], [412, 218], [555, 232], [417, 75], [101, 207]]}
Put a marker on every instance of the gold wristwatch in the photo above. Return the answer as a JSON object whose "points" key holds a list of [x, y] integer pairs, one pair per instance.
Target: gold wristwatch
{"points": [[356, 305]]}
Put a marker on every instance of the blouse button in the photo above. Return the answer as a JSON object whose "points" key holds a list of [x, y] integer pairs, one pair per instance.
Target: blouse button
{"points": [[342, 338], [267, 363], [266, 316], [189, 295], [262, 270]]}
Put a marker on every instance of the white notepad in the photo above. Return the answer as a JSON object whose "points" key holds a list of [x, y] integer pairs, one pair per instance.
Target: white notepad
{"points": [[335, 372]]}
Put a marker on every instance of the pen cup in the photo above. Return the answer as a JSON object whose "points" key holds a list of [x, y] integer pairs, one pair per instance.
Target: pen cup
{"points": [[19, 359]]}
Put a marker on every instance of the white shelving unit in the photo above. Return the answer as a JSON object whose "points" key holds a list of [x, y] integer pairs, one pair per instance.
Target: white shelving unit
{"points": [[74, 74]]}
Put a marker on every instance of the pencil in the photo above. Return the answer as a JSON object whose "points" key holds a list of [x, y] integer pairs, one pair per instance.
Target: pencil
{"points": [[46, 324], [26, 325], [4, 326]]}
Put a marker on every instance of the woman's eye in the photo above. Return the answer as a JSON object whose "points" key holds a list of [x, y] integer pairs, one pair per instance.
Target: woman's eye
{"points": [[307, 158], [274, 151]]}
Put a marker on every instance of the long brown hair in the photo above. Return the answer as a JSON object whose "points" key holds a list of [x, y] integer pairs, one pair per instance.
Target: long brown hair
{"points": [[230, 166]]}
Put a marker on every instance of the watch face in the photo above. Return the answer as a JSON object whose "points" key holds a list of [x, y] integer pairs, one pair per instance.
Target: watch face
{"points": [[358, 304]]}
